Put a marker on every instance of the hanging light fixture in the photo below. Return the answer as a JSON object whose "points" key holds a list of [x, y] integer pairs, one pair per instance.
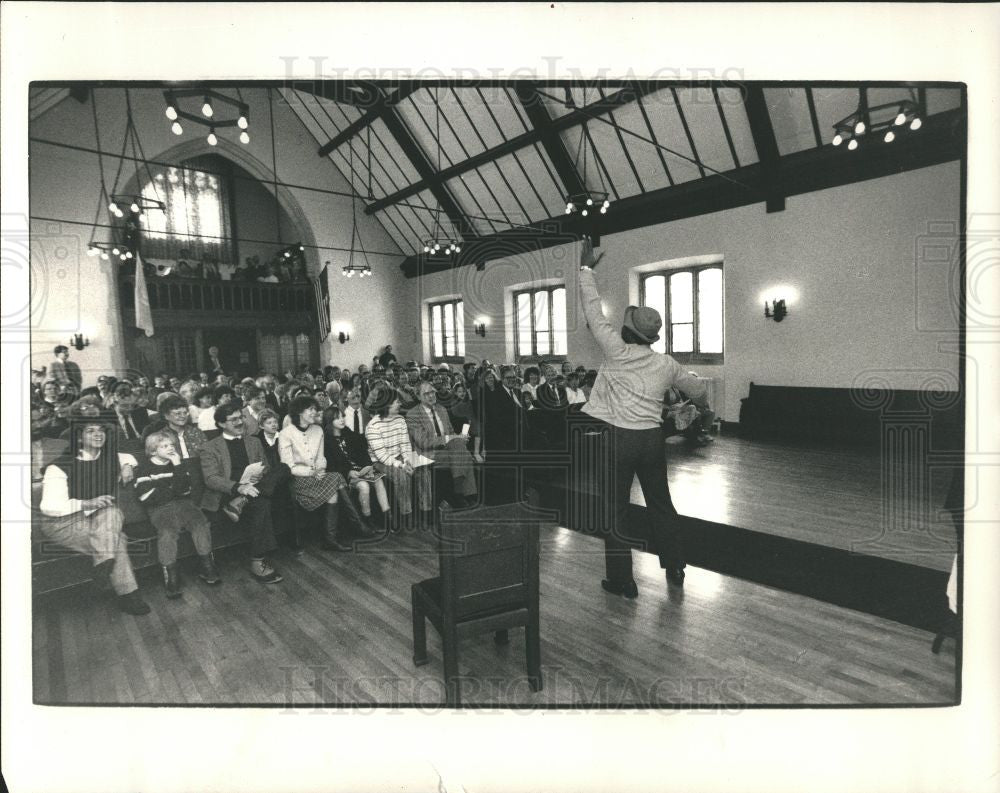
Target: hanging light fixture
{"points": [[588, 202], [130, 207], [441, 243], [208, 116], [352, 267], [886, 119]]}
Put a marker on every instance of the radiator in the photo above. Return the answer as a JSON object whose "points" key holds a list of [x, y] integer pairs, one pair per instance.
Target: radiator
{"points": [[716, 393]]}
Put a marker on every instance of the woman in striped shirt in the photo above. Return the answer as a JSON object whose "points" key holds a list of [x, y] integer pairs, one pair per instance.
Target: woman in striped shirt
{"points": [[389, 446]]}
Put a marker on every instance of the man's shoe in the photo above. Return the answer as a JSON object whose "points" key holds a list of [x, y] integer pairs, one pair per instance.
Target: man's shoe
{"points": [[172, 581], [675, 576], [261, 570], [102, 574], [131, 603], [234, 508], [334, 544], [207, 571], [627, 590]]}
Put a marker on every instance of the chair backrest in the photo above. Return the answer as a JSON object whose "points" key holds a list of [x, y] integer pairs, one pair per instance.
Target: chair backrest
{"points": [[488, 559]]}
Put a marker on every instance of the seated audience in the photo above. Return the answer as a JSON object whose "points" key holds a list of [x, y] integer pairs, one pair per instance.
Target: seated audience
{"points": [[356, 418], [163, 487], [78, 504], [432, 435]]}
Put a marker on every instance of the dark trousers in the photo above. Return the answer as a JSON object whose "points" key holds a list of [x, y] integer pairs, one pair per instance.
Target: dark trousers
{"points": [[256, 519], [618, 455]]}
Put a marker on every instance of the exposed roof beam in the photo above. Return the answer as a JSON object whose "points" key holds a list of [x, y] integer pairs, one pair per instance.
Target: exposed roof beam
{"points": [[766, 143], [556, 125], [404, 139], [370, 116], [541, 121], [941, 139]]}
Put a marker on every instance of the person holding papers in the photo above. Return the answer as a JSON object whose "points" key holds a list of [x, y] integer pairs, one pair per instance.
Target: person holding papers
{"points": [[433, 436], [233, 467], [389, 446]]}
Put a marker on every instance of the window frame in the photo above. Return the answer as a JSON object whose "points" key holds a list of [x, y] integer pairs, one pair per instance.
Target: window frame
{"points": [[534, 356], [694, 357], [455, 302]]}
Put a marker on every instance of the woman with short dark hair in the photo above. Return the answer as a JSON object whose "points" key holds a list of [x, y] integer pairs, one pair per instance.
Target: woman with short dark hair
{"points": [[300, 446]]}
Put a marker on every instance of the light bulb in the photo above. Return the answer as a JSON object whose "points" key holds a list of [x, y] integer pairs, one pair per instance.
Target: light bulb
{"points": [[212, 140], [859, 128], [852, 145], [837, 139], [171, 112], [122, 257], [584, 213], [606, 203], [302, 248], [128, 254], [242, 122], [176, 128], [92, 251], [141, 217], [206, 108], [590, 202], [890, 136], [458, 249], [569, 210], [113, 206], [427, 249], [915, 124], [115, 251], [134, 207], [900, 120], [244, 138], [604, 210], [104, 255]]}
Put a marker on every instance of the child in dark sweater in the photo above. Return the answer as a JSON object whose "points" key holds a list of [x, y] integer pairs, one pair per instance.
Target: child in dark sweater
{"points": [[163, 487]]}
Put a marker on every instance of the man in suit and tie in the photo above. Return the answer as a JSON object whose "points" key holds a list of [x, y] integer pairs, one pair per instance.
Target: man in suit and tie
{"points": [[433, 436], [356, 418], [223, 461]]}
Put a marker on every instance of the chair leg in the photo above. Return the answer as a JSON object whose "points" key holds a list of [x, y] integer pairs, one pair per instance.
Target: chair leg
{"points": [[419, 630], [501, 637], [452, 685], [533, 651]]}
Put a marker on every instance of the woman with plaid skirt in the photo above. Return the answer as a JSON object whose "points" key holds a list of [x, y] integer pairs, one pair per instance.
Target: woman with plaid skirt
{"points": [[300, 446]]}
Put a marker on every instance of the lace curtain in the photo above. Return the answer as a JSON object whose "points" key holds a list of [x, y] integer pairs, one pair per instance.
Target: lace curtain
{"points": [[196, 222]]}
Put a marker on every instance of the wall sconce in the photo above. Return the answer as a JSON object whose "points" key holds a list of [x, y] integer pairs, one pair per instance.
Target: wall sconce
{"points": [[343, 337], [481, 327], [776, 310], [77, 341]]}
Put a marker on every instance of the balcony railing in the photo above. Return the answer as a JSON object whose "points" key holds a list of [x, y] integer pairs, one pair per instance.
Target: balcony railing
{"points": [[171, 293]]}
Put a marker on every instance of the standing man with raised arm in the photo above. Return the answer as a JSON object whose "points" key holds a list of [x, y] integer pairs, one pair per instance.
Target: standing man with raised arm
{"points": [[627, 403]]}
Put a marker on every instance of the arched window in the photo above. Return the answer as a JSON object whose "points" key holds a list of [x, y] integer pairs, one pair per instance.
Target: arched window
{"points": [[196, 222]]}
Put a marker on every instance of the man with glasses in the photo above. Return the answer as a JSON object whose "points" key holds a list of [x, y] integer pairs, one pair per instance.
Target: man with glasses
{"points": [[224, 460], [433, 436]]}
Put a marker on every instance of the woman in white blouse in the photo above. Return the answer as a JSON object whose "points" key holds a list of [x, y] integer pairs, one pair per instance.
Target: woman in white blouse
{"points": [[78, 504], [300, 446]]}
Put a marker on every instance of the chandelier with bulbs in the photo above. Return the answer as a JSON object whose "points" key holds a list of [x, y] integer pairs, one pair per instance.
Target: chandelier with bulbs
{"points": [[440, 243], [888, 120], [208, 117], [587, 202]]}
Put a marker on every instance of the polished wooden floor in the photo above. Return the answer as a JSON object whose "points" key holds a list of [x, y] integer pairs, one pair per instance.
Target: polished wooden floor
{"points": [[843, 498], [337, 630]]}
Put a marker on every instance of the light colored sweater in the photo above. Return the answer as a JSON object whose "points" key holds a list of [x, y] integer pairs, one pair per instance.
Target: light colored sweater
{"points": [[632, 378]]}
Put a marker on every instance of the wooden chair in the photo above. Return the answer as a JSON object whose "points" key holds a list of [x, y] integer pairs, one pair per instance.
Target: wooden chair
{"points": [[488, 581]]}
